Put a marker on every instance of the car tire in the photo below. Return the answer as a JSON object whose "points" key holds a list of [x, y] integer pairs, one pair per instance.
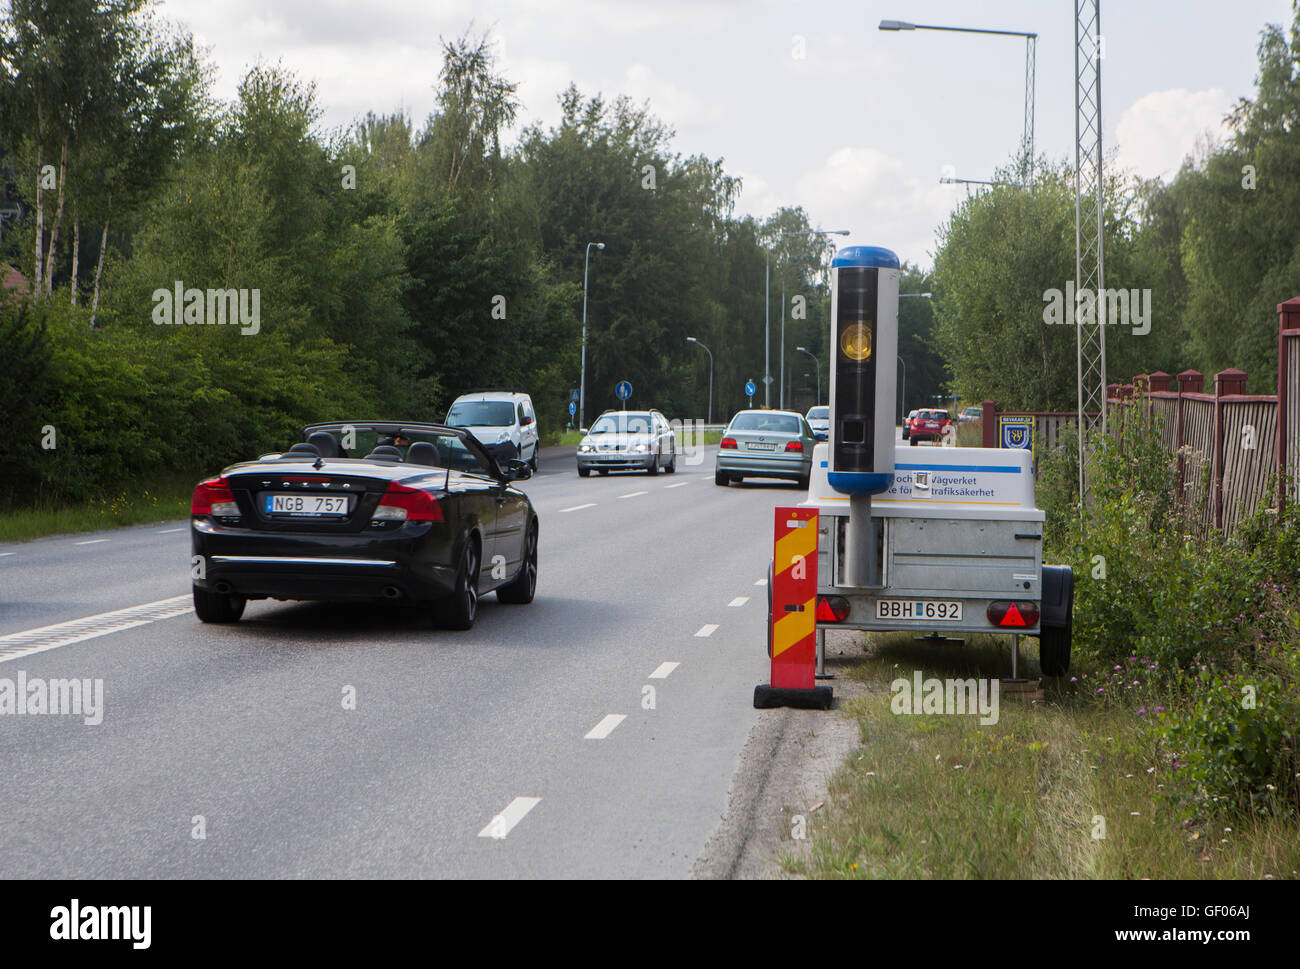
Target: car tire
{"points": [[804, 481], [721, 479], [215, 607], [519, 591], [460, 609], [584, 472], [653, 469], [912, 442], [671, 467], [1057, 628], [536, 462]]}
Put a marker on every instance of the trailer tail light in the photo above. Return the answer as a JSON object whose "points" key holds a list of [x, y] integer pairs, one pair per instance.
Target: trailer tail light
{"points": [[794, 446], [1013, 615], [727, 444], [401, 503], [214, 497], [832, 609]]}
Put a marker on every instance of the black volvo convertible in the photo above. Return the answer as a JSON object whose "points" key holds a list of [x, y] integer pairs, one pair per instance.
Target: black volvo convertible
{"points": [[420, 514]]}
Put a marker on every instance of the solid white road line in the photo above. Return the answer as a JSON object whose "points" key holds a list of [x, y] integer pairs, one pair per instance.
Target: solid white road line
{"points": [[662, 671], [501, 825], [93, 541], [706, 630], [590, 504], [634, 494], [680, 484], [29, 641], [737, 602], [605, 727]]}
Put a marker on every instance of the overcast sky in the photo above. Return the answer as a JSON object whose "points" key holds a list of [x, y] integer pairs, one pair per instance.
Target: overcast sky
{"points": [[858, 130]]}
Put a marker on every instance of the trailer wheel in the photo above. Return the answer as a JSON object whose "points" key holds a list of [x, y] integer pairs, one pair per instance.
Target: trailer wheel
{"points": [[1057, 621]]}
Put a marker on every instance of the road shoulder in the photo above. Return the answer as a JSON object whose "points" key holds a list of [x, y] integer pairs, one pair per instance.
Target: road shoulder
{"points": [[784, 771]]}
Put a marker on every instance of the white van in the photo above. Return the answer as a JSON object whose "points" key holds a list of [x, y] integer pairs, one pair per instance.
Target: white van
{"points": [[503, 421]]}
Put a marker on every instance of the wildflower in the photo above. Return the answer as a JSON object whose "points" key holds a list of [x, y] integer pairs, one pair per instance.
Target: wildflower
{"points": [[1142, 711]]}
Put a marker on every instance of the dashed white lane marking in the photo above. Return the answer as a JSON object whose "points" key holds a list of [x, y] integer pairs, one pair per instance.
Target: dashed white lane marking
{"points": [[737, 602], [3, 554], [761, 582], [168, 531], [590, 504], [634, 494], [14, 645], [680, 484], [605, 727], [501, 825], [707, 629], [93, 541], [663, 670]]}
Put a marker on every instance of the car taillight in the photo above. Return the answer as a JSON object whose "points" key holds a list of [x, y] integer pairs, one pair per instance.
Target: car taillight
{"points": [[794, 446], [727, 444], [402, 503], [1008, 614], [214, 497], [832, 609]]}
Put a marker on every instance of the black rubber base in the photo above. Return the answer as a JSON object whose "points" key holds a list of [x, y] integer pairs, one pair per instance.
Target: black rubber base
{"points": [[818, 698]]}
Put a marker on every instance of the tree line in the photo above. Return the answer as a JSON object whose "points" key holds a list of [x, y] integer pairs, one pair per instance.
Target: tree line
{"points": [[394, 264], [1203, 260]]}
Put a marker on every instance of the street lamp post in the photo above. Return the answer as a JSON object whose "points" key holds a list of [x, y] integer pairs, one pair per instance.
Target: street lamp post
{"points": [[781, 362], [691, 339], [902, 394], [1031, 72], [582, 386], [818, 369]]}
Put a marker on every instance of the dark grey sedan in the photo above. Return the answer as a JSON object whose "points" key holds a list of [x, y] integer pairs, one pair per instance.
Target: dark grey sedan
{"points": [[765, 444]]}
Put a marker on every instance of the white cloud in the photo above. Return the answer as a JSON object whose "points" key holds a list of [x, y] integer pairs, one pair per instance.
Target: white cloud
{"points": [[1162, 128]]}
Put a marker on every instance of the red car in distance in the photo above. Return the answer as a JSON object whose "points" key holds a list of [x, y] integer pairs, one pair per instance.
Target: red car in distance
{"points": [[929, 425]]}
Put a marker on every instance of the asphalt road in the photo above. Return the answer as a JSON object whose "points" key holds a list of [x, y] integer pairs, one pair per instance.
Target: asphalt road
{"points": [[242, 730]]}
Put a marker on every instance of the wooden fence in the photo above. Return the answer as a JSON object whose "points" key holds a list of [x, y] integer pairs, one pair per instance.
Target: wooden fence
{"points": [[1230, 445]]}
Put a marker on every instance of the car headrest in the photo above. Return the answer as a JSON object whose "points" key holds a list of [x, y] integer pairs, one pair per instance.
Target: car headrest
{"points": [[325, 444], [423, 452], [384, 452], [300, 452]]}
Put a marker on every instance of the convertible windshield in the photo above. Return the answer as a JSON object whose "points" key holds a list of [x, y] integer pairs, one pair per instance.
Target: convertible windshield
{"points": [[622, 423], [482, 413], [772, 423]]}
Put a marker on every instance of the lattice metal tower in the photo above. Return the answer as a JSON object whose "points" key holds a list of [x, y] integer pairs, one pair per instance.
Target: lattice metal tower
{"points": [[1031, 69], [1089, 215]]}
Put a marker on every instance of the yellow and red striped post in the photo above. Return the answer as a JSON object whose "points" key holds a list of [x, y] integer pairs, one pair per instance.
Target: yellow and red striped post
{"points": [[792, 625]]}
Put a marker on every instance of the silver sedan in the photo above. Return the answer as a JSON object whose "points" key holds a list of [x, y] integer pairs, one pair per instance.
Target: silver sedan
{"points": [[628, 441], [765, 444]]}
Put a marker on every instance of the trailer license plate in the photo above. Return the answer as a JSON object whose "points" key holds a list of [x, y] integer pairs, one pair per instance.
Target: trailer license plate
{"points": [[919, 610], [308, 506]]}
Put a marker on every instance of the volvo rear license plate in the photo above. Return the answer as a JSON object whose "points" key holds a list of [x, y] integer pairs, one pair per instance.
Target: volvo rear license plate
{"points": [[761, 447], [919, 610], [309, 506]]}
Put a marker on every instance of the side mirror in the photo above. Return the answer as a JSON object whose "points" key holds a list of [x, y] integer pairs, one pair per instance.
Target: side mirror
{"points": [[526, 421], [516, 470], [584, 431]]}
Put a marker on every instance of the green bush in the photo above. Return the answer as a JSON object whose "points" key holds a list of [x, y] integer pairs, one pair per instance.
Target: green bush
{"points": [[1235, 748]]}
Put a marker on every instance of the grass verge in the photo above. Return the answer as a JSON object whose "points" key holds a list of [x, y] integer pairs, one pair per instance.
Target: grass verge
{"points": [[165, 500], [935, 796]]}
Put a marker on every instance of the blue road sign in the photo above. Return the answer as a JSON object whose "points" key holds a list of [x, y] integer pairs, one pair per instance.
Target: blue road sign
{"points": [[573, 408], [573, 396], [623, 391], [750, 388]]}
